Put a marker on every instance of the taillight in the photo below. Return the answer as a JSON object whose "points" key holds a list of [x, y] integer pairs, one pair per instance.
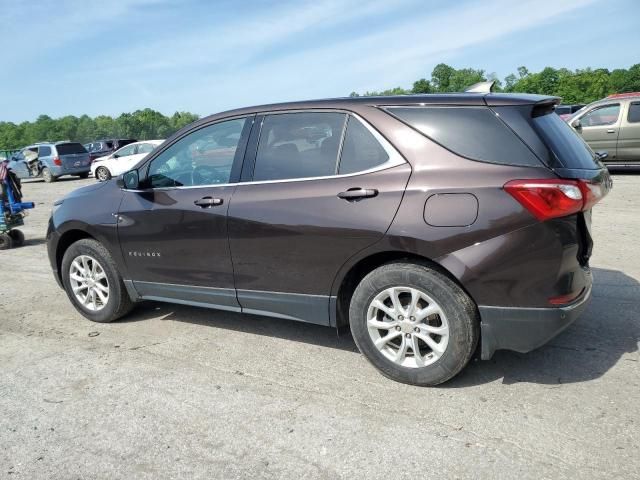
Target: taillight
{"points": [[548, 198], [57, 161]]}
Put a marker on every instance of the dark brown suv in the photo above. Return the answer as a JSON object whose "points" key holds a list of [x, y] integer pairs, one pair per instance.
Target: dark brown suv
{"points": [[434, 225]]}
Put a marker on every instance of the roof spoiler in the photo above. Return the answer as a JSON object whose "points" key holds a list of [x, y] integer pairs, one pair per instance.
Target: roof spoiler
{"points": [[481, 87]]}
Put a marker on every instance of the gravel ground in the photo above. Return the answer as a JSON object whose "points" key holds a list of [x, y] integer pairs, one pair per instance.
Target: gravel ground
{"points": [[181, 392]]}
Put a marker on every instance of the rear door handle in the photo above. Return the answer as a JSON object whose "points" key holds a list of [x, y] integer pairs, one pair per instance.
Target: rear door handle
{"points": [[358, 193], [206, 202]]}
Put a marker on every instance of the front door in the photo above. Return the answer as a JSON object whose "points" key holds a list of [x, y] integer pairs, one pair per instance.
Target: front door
{"points": [[173, 232], [600, 127], [324, 186]]}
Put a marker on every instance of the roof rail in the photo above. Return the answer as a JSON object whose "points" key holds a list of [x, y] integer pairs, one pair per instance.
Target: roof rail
{"points": [[481, 87]]}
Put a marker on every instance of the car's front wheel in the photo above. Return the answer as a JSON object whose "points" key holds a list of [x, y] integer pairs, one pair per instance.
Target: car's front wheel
{"points": [[92, 282], [103, 174], [413, 323]]}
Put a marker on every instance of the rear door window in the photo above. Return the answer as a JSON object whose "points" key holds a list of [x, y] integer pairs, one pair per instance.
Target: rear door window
{"points": [[70, 148], [472, 132], [298, 145]]}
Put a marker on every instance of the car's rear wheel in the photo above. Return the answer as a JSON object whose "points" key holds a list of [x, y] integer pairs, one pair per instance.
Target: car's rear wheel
{"points": [[103, 174], [83, 175], [92, 282], [47, 176], [413, 323]]}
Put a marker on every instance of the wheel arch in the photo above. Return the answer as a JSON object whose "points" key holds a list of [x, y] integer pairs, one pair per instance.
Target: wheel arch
{"points": [[67, 239], [351, 279]]}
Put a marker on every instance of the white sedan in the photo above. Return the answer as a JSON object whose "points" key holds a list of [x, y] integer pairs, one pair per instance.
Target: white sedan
{"points": [[122, 160]]}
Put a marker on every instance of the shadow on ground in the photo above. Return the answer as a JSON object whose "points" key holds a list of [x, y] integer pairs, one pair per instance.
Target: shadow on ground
{"points": [[597, 341]]}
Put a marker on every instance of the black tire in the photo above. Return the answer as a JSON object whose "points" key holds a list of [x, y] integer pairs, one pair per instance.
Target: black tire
{"points": [[84, 175], [119, 303], [18, 237], [6, 242], [103, 174], [47, 176], [459, 309]]}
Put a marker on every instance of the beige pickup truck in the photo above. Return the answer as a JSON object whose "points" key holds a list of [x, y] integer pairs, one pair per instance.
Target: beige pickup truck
{"points": [[612, 126]]}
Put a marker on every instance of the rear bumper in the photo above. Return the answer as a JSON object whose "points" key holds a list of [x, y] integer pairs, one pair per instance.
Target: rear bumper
{"points": [[525, 329], [57, 171]]}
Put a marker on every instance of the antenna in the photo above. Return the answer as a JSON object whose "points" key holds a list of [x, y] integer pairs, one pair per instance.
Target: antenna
{"points": [[481, 87]]}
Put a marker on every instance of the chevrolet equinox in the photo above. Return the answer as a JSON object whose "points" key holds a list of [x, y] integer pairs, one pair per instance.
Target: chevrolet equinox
{"points": [[434, 226]]}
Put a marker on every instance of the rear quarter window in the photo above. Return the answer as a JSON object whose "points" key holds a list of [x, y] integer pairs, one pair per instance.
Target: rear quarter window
{"points": [[566, 145], [70, 148], [471, 132]]}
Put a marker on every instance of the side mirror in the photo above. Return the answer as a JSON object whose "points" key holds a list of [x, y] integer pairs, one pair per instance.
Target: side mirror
{"points": [[576, 124], [129, 180], [602, 155]]}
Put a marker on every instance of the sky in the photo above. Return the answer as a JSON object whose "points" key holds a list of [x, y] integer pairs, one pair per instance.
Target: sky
{"points": [[71, 57]]}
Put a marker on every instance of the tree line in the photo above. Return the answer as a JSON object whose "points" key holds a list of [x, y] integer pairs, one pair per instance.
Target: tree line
{"points": [[574, 86], [142, 125]]}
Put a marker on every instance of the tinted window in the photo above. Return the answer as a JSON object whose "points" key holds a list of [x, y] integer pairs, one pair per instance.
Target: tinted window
{"points": [[70, 148], [634, 113], [607, 115], [472, 132], [562, 109], [204, 157], [360, 151], [298, 145], [44, 151], [145, 148], [568, 147]]}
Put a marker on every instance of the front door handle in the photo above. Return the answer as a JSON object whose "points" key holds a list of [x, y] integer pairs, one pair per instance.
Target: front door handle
{"points": [[611, 130], [206, 202], [358, 193]]}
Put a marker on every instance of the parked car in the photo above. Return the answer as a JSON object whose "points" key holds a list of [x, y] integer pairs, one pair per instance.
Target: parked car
{"points": [[101, 148], [51, 160], [425, 223], [565, 111], [612, 127], [121, 160]]}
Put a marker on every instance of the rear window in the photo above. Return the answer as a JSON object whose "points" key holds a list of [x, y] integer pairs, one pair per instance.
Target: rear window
{"points": [[565, 144], [70, 148], [472, 132]]}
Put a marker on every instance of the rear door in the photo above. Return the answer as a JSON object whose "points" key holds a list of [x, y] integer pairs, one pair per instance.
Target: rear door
{"points": [[600, 127], [629, 138], [320, 186]]}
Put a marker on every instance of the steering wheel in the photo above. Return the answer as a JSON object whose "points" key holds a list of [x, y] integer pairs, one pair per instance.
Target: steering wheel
{"points": [[207, 174]]}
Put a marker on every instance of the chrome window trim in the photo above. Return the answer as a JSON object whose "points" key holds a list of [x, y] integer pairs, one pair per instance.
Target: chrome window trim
{"points": [[395, 158]]}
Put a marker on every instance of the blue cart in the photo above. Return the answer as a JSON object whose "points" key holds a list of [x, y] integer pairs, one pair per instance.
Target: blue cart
{"points": [[12, 209]]}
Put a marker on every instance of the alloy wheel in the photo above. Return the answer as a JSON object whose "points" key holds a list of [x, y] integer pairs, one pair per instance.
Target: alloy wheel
{"points": [[407, 326], [89, 283]]}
